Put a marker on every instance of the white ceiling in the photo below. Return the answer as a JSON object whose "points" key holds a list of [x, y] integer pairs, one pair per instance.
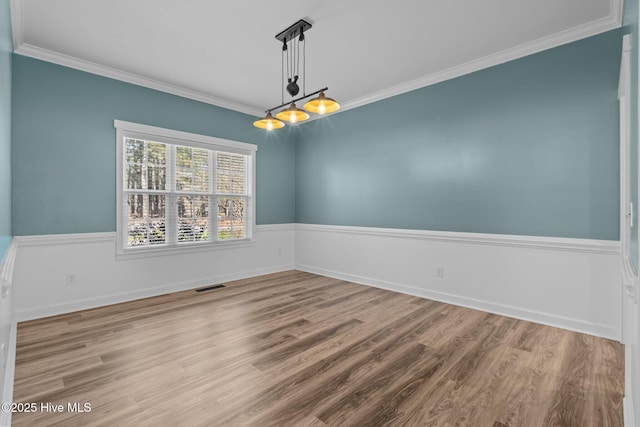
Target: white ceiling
{"points": [[225, 52]]}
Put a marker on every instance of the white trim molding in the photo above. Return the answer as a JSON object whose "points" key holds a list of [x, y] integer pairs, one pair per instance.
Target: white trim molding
{"points": [[630, 338], [551, 243], [630, 281], [8, 329], [567, 283], [64, 239], [8, 262], [9, 373], [630, 333], [627, 406], [108, 236]]}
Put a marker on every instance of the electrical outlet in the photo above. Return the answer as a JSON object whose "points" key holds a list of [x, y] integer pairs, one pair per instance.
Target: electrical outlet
{"points": [[72, 279], [439, 271]]}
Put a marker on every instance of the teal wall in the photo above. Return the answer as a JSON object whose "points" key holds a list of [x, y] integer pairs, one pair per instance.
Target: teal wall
{"points": [[630, 26], [6, 47], [64, 153], [528, 147]]}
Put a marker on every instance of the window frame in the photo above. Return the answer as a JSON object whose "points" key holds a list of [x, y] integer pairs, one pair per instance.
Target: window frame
{"points": [[178, 138]]}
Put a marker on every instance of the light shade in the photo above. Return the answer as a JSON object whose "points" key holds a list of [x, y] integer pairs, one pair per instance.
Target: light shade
{"points": [[268, 122], [292, 114], [321, 105]]}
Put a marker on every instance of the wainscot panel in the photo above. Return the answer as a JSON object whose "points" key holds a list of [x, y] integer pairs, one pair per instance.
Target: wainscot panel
{"points": [[569, 283], [44, 262]]}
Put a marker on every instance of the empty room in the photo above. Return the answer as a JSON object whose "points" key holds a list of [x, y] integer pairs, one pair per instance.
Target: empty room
{"points": [[363, 213]]}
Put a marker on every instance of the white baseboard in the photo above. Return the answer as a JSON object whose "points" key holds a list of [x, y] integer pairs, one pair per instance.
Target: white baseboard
{"points": [[573, 284]]}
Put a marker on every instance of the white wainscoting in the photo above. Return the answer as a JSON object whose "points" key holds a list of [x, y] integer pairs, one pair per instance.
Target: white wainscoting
{"points": [[569, 283], [43, 263], [8, 330]]}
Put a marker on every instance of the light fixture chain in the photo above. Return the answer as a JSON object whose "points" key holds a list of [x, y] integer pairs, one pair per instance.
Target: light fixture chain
{"points": [[298, 57], [288, 66], [293, 58]]}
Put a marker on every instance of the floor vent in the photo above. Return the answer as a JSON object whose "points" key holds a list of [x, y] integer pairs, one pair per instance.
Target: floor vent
{"points": [[210, 288]]}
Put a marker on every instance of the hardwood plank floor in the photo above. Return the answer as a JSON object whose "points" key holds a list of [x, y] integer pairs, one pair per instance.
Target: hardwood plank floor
{"points": [[297, 349]]}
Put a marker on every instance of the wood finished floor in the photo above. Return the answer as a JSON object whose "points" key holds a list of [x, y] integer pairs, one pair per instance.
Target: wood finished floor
{"points": [[297, 349]]}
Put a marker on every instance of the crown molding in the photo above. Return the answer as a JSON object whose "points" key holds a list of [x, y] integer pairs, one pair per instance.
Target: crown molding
{"points": [[614, 20], [616, 10], [17, 23], [26, 49]]}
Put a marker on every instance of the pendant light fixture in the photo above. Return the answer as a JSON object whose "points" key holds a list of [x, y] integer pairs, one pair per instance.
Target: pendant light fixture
{"points": [[293, 38], [293, 114], [321, 104], [268, 122]]}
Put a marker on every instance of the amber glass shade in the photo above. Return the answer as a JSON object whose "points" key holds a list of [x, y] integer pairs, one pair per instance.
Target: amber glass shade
{"points": [[321, 105], [292, 114], [268, 122]]}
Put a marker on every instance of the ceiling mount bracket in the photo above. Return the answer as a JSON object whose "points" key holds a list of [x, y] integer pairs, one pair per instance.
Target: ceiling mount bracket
{"points": [[293, 31]]}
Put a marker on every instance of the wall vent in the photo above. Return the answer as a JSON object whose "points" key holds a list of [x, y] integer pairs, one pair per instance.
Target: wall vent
{"points": [[210, 288]]}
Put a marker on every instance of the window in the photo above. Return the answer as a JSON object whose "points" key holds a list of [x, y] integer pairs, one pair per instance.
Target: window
{"points": [[178, 190]]}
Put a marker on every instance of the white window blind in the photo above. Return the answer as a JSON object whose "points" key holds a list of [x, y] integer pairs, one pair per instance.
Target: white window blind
{"points": [[178, 190]]}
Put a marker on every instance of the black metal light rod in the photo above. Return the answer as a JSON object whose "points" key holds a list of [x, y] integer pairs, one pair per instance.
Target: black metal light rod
{"points": [[296, 100]]}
